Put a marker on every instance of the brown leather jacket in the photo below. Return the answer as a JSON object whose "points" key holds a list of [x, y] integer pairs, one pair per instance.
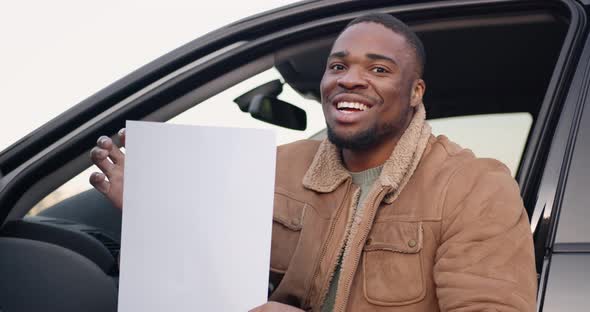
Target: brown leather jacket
{"points": [[457, 238]]}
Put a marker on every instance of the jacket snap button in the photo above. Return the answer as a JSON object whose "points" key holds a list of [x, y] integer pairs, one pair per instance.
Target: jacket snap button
{"points": [[412, 243], [369, 241]]}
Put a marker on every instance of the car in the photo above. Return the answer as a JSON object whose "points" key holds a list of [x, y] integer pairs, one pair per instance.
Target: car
{"points": [[518, 69]]}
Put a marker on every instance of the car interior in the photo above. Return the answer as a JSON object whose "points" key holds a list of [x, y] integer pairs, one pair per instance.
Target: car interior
{"points": [[476, 64]]}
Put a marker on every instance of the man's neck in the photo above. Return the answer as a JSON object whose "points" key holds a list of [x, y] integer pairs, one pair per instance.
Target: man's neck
{"points": [[360, 160]]}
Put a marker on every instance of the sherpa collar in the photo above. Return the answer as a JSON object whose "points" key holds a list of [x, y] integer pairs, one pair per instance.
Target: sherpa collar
{"points": [[327, 172]]}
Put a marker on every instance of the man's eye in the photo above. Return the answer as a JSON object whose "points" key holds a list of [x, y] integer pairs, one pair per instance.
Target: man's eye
{"points": [[337, 67], [379, 70]]}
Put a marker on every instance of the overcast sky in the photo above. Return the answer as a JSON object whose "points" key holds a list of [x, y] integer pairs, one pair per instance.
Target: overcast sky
{"points": [[57, 53]]}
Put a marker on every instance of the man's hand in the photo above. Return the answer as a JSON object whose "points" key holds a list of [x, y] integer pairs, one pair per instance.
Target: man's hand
{"points": [[275, 307], [110, 160]]}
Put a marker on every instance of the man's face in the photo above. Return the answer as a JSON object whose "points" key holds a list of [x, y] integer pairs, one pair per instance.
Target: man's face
{"points": [[366, 88]]}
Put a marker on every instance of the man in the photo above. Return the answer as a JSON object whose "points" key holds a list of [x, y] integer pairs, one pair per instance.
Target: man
{"points": [[383, 216]]}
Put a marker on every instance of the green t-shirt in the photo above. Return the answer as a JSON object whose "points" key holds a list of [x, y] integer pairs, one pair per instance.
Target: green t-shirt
{"points": [[364, 180]]}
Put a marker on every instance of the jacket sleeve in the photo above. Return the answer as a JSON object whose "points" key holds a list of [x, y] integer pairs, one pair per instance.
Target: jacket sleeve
{"points": [[485, 261]]}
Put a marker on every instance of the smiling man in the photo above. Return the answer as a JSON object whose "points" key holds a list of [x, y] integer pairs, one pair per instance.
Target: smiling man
{"points": [[383, 216]]}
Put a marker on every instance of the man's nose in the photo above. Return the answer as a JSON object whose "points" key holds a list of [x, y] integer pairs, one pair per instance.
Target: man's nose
{"points": [[352, 79]]}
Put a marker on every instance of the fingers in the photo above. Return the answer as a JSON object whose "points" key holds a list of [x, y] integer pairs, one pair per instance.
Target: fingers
{"points": [[122, 136], [99, 182], [107, 156], [114, 153], [99, 157]]}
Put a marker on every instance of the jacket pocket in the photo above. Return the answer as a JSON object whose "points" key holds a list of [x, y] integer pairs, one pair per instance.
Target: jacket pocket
{"points": [[286, 229], [392, 264]]}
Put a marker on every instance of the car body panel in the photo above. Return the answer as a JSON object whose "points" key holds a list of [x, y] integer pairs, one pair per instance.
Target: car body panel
{"points": [[568, 286], [575, 211]]}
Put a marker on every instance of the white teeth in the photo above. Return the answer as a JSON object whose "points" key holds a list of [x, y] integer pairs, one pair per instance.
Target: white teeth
{"points": [[354, 105]]}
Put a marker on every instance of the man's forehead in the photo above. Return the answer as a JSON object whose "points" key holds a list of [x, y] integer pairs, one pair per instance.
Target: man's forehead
{"points": [[369, 37]]}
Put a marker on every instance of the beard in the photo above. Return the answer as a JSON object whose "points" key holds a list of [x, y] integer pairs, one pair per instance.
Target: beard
{"points": [[364, 139]]}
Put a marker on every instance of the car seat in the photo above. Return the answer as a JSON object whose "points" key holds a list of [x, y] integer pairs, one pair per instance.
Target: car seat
{"points": [[38, 276]]}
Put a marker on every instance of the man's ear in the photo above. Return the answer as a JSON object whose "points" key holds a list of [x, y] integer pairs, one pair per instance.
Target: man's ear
{"points": [[418, 89]]}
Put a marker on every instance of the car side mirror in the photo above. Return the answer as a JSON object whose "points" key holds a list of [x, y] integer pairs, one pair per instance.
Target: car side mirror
{"points": [[272, 110]]}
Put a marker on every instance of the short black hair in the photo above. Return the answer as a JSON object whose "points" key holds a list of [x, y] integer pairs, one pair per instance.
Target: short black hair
{"points": [[398, 27]]}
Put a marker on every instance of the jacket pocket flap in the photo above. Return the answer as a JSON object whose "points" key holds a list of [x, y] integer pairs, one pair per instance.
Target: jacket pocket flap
{"points": [[288, 212], [403, 237]]}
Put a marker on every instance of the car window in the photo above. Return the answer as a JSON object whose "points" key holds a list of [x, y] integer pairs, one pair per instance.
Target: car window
{"points": [[499, 136], [219, 110]]}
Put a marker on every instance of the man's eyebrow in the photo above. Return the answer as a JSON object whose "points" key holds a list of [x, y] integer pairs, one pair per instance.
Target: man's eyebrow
{"points": [[375, 56], [339, 54]]}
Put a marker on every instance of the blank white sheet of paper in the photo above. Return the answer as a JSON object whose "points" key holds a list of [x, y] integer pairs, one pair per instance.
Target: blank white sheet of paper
{"points": [[197, 218]]}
